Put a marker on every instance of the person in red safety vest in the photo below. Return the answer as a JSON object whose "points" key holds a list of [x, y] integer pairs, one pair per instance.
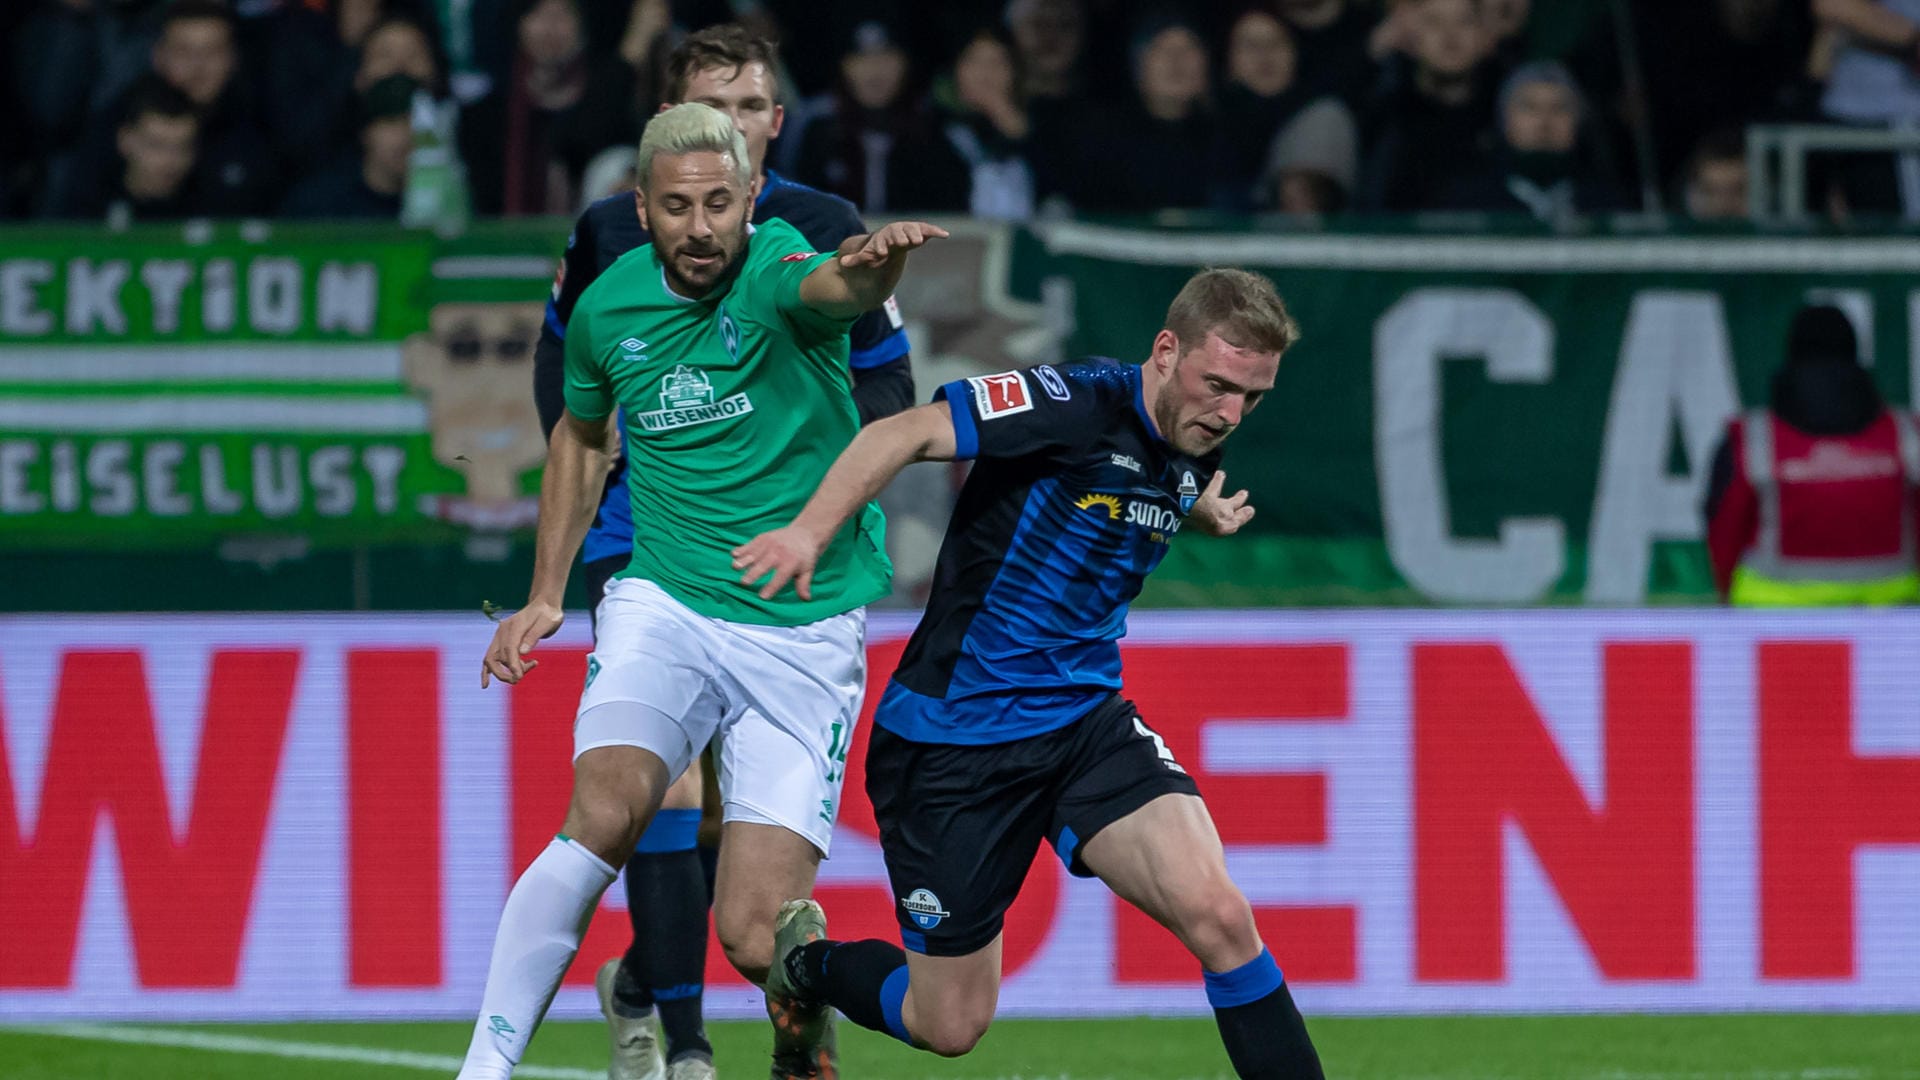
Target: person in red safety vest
{"points": [[1811, 501]]}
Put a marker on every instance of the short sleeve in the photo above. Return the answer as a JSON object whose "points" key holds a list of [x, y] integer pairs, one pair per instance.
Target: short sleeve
{"points": [[782, 259], [588, 394], [1017, 413]]}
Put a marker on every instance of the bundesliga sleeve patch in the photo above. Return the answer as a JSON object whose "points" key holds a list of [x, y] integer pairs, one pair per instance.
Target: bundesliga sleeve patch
{"points": [[892, 308], [798, 256], [1000, 395]]}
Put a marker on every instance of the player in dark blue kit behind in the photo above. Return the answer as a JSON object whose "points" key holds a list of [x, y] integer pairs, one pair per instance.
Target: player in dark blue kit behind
{"points": [[736, 72], [1003, 724]]}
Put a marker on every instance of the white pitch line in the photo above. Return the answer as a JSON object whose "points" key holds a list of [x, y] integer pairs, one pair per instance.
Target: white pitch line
{"points": [[304, 1051]]}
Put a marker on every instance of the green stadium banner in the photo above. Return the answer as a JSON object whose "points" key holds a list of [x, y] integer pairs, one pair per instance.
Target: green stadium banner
{"points": [[293, 417], [1491, 420]]}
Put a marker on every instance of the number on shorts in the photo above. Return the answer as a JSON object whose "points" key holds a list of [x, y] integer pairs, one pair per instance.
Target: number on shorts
{"points": [[1159, 745], [837, 751]]}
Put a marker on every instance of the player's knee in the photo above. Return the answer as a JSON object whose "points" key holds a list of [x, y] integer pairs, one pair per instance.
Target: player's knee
{"points": [[1216, 922], [957, 1031], [607, 827], [746, 936]]}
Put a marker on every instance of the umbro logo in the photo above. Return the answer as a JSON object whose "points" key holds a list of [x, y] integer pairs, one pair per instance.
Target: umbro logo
{"points": [[633, 344]]}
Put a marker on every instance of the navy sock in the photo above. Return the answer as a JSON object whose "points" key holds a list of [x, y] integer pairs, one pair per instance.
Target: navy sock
{"points": [[709, 867], [1265, 1035], [867, 980], [667, 904]]}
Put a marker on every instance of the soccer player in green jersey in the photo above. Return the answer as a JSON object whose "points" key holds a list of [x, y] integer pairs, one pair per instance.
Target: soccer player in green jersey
{"points": [[725, 347]]}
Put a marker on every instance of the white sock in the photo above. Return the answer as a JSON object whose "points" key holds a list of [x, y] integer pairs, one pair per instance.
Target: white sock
{"points": [[540, 930]]}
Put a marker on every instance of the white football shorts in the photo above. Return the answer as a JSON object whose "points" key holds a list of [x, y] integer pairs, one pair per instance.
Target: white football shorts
{"points": [[778, 702]]}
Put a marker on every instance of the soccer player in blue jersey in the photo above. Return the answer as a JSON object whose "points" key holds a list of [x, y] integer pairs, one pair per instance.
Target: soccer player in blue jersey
{"points": [[662, 972], [1003, 724]]}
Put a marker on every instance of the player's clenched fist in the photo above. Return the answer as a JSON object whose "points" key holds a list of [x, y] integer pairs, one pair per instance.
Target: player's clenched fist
{"points": [[1217, 516], [514, 638], [895, 239], [789, 554]]}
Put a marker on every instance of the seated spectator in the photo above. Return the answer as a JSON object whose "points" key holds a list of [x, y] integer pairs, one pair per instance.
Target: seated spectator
{"points": [[1261, 93], [876, 146], [398, 46], [372, 184], [1716, 180], [1535, 170], [527, 144], [1331, 38], [1433, 116], [197, 54], [1310, 168], [146, 173], [987, 125]]}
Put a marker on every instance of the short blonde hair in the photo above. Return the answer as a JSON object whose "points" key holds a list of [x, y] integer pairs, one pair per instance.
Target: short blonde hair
{"points": [[692, 128], [1243, 308]]}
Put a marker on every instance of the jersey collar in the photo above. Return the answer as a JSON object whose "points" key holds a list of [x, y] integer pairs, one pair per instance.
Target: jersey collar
{"points": [[1140, 407], [773, 180]]}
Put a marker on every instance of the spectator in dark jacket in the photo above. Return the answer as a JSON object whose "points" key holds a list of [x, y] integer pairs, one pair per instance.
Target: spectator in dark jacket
{"points": [[1331, 37], [878, 147], [371, 184], [528, 143], [1536, 169], [987, 125], [143, 173], [73, 62], [1435, 111], [197, 54], [1261, 92]]}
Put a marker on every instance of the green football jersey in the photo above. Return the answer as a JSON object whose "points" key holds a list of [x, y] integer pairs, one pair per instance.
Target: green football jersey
{"points": [[734, 406]]}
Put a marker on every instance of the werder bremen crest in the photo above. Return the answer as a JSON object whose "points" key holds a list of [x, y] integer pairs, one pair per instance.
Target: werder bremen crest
{"points": [[686, 399]]}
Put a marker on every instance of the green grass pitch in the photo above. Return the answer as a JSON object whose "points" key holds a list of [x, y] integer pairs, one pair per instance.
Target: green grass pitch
{"points": [[1745, 1047]]}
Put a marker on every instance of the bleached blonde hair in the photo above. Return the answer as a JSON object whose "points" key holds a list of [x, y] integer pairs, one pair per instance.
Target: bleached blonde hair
{"points": [[692, 128]]}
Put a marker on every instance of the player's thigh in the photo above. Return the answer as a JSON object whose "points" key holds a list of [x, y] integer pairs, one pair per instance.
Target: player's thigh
{"points": [[649, 679], [1165, 858], [795, 695], [761, 867], [959, 827], [951, 999]]}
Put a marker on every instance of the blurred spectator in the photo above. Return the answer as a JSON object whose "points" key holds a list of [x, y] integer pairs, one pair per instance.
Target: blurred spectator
{"points": [[398, 46], [372, 183], [1260, 94], [1310, 168], [1430, 121], [1535, 170], [144, 174], [1716, 180], [987, 125], [1331, 37], [1506, 26], [611, 172], [1708, 64], [74, 59], [877, 147], [197, 54], [1049, 35], [528, 143], [1875, 82]]}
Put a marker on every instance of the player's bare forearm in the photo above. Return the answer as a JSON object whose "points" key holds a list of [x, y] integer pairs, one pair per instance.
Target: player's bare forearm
{"points": [[867, 269], [578, 459], [866, 466]]}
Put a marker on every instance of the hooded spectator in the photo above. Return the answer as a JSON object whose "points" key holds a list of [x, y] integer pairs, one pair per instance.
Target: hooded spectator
{"points": [[1149, 155], [1311, 167], [1536, 168]]}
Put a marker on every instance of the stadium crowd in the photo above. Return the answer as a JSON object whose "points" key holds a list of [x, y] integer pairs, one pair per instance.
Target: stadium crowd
{"points": [[428, 110]]}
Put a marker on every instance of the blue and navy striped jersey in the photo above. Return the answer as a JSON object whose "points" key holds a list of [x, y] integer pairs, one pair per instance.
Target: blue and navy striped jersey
{"points": [[610, 228], [1072, 502]]}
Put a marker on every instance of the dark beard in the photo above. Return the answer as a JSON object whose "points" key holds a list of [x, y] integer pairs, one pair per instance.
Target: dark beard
{"points": [[691, 291]]}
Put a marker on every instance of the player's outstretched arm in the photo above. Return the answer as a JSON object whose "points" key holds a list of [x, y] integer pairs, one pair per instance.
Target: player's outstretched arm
{"points": [[1218, 515], [867, 270], [579, 455], [868, 464]]}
